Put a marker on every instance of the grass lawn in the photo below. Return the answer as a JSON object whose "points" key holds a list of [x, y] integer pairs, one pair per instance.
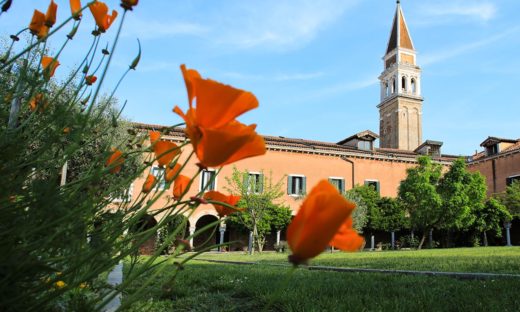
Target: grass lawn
{"points": [[483, 260], [204, 286]]}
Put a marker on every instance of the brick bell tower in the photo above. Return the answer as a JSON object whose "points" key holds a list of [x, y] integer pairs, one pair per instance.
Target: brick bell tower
{"points": [[400, 110]]}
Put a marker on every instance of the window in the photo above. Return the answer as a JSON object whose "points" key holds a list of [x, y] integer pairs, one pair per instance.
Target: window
{"points": [[296, 185], [511, 180], [365, 145], [159, 175], [374, 184], [339, 183], [414, 86], [492, 150], [208, 180], [403, 83], [254, 182]]}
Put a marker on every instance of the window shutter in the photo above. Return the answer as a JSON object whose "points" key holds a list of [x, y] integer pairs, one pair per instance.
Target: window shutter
{"points": [[261, 183], [245, 181], [304, 185], [378, 188], [289, 185], [342, 186]]}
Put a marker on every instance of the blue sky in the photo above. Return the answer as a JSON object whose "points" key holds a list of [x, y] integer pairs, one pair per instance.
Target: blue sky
{"points": [[313, 64]]}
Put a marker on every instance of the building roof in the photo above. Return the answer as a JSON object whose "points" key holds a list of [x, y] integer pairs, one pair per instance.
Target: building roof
{"points": [[494, 140], [399, 36], [366, 135], [279, 143]]}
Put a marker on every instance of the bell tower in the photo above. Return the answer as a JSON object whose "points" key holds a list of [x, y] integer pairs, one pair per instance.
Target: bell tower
{"points": [[400, 109]]}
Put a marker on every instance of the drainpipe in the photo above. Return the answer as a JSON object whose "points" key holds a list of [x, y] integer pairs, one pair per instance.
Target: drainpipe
{"points": [[353, 171], [494, 169]]}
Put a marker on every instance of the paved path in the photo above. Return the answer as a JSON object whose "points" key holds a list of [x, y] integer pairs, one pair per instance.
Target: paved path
{"points": [[460, 275], [115, 278]]}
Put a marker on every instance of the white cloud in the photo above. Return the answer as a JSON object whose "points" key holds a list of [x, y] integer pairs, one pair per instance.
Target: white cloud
{"points": [[275, 77], [451, 52], [442, 11], [278, 24], [148, 29]]}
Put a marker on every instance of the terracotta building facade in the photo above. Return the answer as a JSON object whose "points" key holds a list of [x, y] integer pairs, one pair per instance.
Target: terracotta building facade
{"points": [[355, 160]]}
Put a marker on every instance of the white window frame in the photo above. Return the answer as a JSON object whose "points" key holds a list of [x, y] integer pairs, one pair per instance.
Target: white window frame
{"points": [[161, 181], [201, 179], [297, 176], [342, 179]]}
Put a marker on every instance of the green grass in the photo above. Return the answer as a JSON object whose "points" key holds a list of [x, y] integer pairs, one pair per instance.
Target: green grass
{"points": [[204, 286], [483, 260]]}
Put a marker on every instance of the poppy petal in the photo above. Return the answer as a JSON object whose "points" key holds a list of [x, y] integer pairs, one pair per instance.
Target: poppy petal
{"points": [[218, 104], [180, 186], [232, 142], [165, 151], [320, 216]]}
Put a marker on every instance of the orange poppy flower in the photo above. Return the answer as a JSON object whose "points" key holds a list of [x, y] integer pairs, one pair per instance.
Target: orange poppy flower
{"points": [[37, 25], [115, 161], [172, 172], [228, 199], [38, 102], [49, 65], [50, 16], [128, 4], [347, 239], [320, 217], [149, 183], [100, 12], [180, 186], [75, 9], [89, 80], [218, 139], [165, 151], [154, 136]]}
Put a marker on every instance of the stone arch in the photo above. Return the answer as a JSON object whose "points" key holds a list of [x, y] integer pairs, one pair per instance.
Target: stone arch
{"points": [[413, 85], [210, 236], [145, 223]]}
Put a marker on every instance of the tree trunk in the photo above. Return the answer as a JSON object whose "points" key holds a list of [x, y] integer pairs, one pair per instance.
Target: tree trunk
{"points": [[485, 239], [422, 240]]}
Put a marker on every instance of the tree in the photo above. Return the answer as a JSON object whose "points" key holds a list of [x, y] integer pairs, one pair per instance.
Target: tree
{"points": [[490, 217], [418, 193], [462, 193], [511, 199], [258, 198], [366, 199], [389, 216]]}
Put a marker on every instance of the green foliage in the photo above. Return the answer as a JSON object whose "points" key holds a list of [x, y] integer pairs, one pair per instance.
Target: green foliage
{"points": [[418, 194], [366, 199], [491, 217], [174, 230], [389, 216], [511, 199], [462, 193], [262, 214]]}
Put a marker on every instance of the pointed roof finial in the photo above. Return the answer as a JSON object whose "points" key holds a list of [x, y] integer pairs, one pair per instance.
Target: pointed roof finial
{"points": [[398, 1]]}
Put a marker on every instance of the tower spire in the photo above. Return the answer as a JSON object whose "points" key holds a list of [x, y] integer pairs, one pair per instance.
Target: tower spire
{"points": [[399, 36], [400, 109]]}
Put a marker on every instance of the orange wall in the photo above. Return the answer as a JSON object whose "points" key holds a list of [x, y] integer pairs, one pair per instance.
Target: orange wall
{"points": [[281, 164], [505, 166]]}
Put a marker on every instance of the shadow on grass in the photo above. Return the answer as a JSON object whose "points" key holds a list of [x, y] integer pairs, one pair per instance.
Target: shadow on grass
{"points": [[213, 287]]}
